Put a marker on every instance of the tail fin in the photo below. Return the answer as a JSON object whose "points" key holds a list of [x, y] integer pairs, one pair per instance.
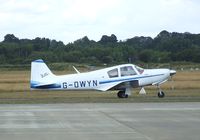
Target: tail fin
{"points": [[40, 74]]}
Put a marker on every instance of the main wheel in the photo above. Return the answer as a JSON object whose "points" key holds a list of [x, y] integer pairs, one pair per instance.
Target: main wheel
{"points": [[161, 94], [121, 94]]}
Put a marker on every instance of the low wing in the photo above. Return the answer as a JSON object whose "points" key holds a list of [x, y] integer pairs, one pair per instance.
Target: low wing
{"points": [[107, 87], [127, 84], [119, 85]]}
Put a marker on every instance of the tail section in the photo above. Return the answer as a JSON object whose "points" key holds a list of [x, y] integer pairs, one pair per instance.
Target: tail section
{"points": [[41, 76]]}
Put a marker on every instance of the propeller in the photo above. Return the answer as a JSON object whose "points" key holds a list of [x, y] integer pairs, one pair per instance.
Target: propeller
{"points": [[172, 72]]}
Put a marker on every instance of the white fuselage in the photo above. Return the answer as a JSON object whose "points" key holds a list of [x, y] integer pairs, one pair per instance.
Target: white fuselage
{"points": [[99, 79], [121, 77]]}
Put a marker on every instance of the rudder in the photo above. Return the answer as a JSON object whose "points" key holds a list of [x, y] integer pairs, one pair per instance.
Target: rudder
{"points": [[40, 73]]}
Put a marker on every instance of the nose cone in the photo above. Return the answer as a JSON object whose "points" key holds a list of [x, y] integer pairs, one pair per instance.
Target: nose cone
{"points": [[172, 72]]}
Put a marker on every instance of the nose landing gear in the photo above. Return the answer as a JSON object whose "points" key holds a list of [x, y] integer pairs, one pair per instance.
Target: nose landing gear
{"points": [[161, 94]]}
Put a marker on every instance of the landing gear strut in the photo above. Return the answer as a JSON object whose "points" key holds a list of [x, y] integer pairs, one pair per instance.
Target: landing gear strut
{"points": [[121, 94], [161, 94]]}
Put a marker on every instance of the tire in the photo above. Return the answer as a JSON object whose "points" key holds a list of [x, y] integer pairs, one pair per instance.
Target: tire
{"points": [[161, 94], [121, 94]]}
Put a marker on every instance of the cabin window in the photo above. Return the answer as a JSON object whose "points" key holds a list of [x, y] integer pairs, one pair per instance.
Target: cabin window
{"points": [[113, 73], [127, 71]]}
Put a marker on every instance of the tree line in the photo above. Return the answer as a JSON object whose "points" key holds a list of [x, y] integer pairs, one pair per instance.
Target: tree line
{"points": [[165, 47]]}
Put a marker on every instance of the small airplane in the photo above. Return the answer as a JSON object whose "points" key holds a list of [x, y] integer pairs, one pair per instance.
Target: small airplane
{"points": [[120, 77]]}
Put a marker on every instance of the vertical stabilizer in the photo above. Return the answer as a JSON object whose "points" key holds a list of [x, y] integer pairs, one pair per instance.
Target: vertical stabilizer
{"points": [[40, 73]]}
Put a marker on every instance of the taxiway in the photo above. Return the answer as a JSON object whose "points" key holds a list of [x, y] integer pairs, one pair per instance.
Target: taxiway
{"points": [[97, 121]]}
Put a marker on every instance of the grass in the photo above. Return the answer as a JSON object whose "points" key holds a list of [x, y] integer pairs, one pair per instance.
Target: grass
{"points": [[15, 88]]}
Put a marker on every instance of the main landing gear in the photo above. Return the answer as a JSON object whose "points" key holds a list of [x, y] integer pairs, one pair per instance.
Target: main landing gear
{"points": [[122, 94], [161, 94], [125, 93]]}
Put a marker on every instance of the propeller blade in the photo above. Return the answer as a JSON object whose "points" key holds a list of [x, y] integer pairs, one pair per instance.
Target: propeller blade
{"points": [[172, 83], [172, 72]]}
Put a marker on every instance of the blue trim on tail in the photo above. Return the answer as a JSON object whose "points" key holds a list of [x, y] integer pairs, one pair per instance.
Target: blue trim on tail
{"points": [[39, 61]]}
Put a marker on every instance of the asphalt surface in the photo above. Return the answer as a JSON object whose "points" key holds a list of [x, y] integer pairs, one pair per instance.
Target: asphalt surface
{"points": [[100, 121]]}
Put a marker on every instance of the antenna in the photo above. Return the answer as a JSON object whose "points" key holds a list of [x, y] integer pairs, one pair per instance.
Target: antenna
{"points": [[76, 70]]}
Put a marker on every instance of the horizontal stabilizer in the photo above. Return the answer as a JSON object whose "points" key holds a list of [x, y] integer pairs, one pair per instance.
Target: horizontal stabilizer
{"points": [[45, 86]]}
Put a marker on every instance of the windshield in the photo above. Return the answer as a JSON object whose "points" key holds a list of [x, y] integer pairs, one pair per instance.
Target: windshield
{"points": [[139, 69]]}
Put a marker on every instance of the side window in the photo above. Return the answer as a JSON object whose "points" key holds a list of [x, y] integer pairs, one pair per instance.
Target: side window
{"points": [[127, 71], [113, 73]]}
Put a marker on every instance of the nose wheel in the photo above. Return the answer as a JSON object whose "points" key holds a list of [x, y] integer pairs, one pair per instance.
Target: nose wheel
{"points": [[121, 94], [161, 94]]}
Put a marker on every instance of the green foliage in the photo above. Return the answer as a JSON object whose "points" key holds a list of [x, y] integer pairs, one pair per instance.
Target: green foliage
{"points": [[165, 47], [108, 39], [11, 38]]}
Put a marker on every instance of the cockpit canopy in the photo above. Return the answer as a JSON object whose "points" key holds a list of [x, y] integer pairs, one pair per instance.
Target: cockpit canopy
{"points": [[126, 70], [139, 69]]}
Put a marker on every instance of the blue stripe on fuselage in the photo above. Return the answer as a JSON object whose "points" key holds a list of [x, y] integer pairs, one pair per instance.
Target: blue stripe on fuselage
{"points": [[128, 79]]}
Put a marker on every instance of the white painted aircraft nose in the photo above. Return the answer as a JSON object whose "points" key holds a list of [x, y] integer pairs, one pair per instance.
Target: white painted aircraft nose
{"points": [[172, 72]]}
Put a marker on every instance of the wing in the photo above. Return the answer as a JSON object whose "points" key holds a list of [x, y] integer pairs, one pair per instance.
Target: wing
{"points": [[119, 85]]}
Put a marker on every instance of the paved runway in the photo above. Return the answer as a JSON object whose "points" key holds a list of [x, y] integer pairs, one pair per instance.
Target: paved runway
{"points": [[101, 121]]}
